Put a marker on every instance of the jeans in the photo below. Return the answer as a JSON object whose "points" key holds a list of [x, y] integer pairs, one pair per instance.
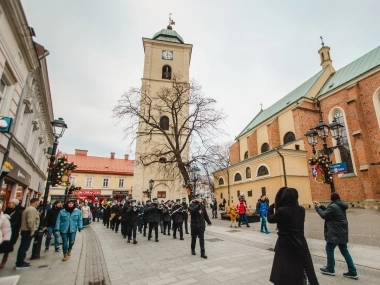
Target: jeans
{"points": [[26, 239], [344, 251], [85, 221], [68, 240], [264, 223], [243, 216], [50, 231]]}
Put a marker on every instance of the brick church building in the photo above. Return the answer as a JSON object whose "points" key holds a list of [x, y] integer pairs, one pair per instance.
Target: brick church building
{"points": [[273, 151]]}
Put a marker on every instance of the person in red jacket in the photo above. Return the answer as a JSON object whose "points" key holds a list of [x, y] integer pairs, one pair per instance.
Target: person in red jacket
{"points": [[242, 209]]}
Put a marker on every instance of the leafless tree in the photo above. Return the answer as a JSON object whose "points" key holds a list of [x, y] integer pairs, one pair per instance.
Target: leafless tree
{"points": [[194, 121]]}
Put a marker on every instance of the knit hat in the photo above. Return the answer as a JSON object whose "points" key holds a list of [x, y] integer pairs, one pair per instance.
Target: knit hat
{"points": [[14, 201]]}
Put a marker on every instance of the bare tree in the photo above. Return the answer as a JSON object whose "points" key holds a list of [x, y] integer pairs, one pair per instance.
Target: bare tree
{"points": [[193, 119]]}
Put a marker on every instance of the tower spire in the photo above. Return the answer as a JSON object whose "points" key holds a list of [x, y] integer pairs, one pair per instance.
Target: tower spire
{"points": [[171, 22]]}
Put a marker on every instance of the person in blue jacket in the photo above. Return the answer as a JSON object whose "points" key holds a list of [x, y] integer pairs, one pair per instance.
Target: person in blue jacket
{"points": [[262, 209], [69, 220]]}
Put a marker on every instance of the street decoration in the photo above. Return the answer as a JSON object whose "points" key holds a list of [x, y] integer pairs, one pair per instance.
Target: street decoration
{"points": [[62, 170], [321, 168]]}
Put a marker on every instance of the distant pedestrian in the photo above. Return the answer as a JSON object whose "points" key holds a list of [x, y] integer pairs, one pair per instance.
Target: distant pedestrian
{"points": [[49, 224], [242, 210], [336, 234], [14, 211], [85, 214], [262, 210], [233, 216], [69, 221], [29, 224], [292, 256], [224, 203], [214, 208]]}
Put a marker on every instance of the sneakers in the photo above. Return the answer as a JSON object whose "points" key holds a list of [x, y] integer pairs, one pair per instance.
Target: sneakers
{"points": [[351, 275], [22, 266], [262, 231], [326, 271], [57, 249], [267, 232]]}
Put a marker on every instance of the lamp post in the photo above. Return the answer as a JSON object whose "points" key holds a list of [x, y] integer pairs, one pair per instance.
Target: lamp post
{"points": [[59, 128], [151, 183], [194, 177], [321, 130]]}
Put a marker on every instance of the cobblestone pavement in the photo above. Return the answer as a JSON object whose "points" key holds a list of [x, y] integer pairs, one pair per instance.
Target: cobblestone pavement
{"points": [[360, 221], [235, 256]]}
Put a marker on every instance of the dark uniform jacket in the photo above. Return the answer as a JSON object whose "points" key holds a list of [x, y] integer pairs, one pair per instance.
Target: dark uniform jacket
{"points": [[153, 214], [166, 214], [133, 215], [177, 217], [185, 209], [198, 215], [124, 214]]}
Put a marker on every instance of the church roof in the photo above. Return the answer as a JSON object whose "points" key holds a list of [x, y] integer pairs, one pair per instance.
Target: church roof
{"points": [[168, 35], [356, 68], [283, 103]]}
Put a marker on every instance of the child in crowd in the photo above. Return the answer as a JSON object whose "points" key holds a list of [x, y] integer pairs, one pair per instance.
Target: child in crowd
{"points": [[233, 216]]}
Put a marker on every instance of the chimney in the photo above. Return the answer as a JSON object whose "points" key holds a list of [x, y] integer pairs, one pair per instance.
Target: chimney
{"points": [[126, 156], [81, 152], [112, 155]]}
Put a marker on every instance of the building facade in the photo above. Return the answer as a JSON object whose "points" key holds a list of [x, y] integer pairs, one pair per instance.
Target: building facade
{"points": [[25, 98], [272, 151], [98, 177], [166, 54]]}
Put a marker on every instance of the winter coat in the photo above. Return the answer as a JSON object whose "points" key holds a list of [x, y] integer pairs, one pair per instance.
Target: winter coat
{"points": [[198, 216], [153, 214], [292, 253], [106, 210], [124, 214], [336, 224], [233, 214], [16, 216], [5, 228], [30, 220], [67, 222], [85, 212], [51, 217], [177, 217], [166, 213], [146, 213], [241, 208], [262, 208]]}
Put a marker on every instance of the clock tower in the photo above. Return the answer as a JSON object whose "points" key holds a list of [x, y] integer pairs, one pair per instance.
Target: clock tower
{"points": [[166, 55]]}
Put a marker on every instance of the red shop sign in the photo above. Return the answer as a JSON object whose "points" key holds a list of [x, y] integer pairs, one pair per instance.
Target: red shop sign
{"points": [[90, 192]]}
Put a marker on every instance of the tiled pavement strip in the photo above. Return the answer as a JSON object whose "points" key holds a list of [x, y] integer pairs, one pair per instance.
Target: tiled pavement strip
{"points": [[235, 256]]}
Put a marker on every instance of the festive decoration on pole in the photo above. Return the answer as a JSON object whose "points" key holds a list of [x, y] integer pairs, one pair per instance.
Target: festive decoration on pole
{"points": [[322, 171], [62, 171]]}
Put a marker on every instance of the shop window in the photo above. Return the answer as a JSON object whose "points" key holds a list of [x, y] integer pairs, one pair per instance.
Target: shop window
{"points": [[264, 147]]}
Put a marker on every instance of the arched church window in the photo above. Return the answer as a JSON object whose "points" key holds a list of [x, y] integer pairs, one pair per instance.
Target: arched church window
{"points": [[166, 72], [262, 171], [248, 172], [289, 137], [344, 148], [264, 147], [237, 177], [221, 181], [376, 105], [164, 123], [246, 155]]}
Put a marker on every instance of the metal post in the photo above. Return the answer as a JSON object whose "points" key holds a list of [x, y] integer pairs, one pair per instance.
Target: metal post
{"points": [[327, 151], [36, 251], [66, 193]]}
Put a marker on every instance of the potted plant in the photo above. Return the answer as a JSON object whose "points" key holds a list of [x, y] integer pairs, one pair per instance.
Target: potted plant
{"points": [[253, 217]]}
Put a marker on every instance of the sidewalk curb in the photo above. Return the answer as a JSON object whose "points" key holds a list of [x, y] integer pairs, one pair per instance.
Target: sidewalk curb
{"points": [[82, 262]]}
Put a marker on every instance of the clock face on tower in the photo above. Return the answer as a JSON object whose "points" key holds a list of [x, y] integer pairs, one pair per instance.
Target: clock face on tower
{"points": [[167, 54]]}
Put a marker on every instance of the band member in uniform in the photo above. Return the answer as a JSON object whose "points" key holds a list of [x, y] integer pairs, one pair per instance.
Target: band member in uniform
{"points": [[106, 213], [185, 213], [146, 216], [198, 217], [166, 219], [162, 205], [154, 218], [133, 215], [124, 220], [140, 223], [117, 218], [113, 216], [177, 217]]}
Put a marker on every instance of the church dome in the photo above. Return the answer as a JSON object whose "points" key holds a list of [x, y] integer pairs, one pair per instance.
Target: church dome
{"points": [[168, 35]]}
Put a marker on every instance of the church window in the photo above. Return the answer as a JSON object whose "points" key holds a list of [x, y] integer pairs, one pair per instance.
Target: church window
{"points": [[166, 72], [264, 147], [164, 123], [376, 105], [262, 171], [221, 181], [344, 148], [248, 172], [237, 177], [246, 155], [289, 137]]}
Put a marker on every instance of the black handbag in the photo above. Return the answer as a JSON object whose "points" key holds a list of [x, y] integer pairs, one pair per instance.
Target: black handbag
{"points": [[6, 247]]}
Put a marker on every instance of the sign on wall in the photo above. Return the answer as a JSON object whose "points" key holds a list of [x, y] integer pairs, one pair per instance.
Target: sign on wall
{"points": [[5, 124], [338, 168]]}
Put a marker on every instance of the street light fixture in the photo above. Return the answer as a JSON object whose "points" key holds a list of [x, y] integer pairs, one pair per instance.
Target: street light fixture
{"points": [[59, 127], [322, 130]]}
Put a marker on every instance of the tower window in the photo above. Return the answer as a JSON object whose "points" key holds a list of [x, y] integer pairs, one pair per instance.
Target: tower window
{"points": [[246, 155], [289, 137], [166, 72], [264, 147], [262, 171], [164, 123], [221, 181], [237, 177]]}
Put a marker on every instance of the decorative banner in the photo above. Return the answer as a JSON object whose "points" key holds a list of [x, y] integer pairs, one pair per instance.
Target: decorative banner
{"points": [[90, 192]]}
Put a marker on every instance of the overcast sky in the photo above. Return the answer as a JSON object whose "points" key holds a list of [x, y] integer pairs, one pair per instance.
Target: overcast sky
{"points": [[244, 53]]}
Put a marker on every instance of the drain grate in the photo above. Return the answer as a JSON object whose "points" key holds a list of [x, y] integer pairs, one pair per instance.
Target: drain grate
{"points": [[213, 239], [233, 231]]}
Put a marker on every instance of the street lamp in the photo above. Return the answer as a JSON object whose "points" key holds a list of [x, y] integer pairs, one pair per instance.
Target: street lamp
{"points": [[194, 177], [59, 127], [321, 130]]}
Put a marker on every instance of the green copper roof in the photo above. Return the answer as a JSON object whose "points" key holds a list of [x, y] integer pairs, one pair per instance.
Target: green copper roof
{"points": [[168, 36], [356, 68], [283, 103]]}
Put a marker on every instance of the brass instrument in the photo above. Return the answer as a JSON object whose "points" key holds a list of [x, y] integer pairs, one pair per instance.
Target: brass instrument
{"points": [[179, 209]]}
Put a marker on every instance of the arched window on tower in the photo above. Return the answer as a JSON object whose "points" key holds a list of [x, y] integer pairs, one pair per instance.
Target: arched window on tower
{"points": [[221, 181], [262, 171], [289, 137], [246, 155], [376, 105], [264, 147], [344, 148], [164, 123], [166, 72], [237, 177]]}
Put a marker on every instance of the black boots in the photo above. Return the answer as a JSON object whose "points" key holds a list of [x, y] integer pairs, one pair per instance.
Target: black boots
{"points": [[157, 240], [193, 252], [203, 255], [134, 241]]}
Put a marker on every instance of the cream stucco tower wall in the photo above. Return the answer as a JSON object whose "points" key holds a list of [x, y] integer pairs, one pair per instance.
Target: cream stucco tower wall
{"points": [[166, 48]]}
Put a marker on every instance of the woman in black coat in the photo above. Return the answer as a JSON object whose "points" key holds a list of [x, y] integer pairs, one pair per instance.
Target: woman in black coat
{"points": [[292, 256]]}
